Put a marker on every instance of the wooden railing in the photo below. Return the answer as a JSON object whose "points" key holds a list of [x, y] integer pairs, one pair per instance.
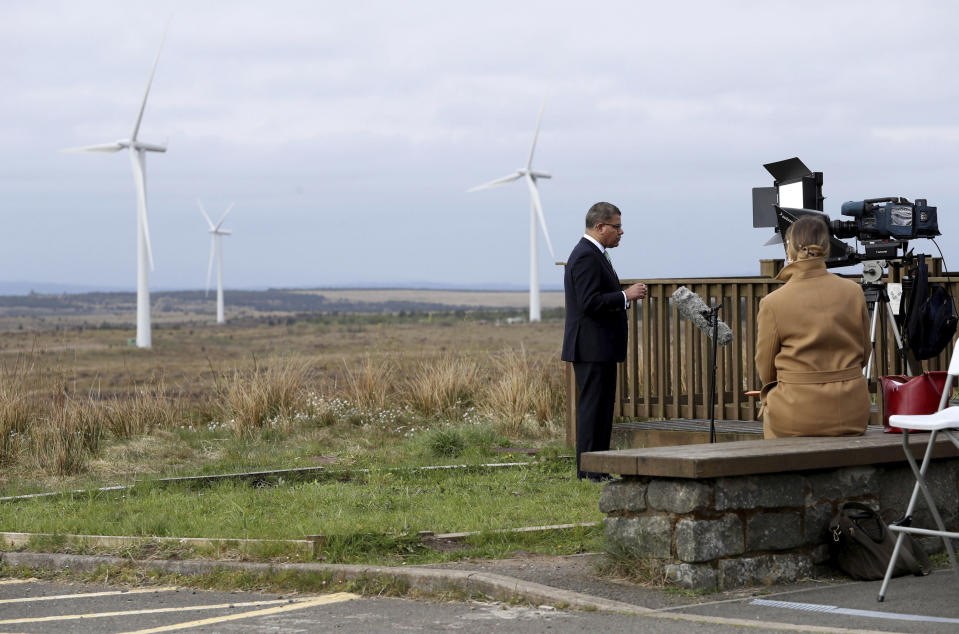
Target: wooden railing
{"points": [[666, 373]]}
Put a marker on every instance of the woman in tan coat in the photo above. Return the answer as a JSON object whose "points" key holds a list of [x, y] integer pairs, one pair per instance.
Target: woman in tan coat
{"points": [[813, 344]]}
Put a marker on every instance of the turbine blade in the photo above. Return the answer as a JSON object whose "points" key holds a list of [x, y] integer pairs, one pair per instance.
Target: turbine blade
{"points": [[140, 176], [222, 218], [539, 119], [143, 104], [203, 211], [209, 269], [498, 181], [534, 196], [103, 147], [152, 147], [776, 239]]}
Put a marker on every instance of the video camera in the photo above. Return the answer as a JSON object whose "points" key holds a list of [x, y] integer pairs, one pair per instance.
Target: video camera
{"points": [[887, 218], [883, 225]]}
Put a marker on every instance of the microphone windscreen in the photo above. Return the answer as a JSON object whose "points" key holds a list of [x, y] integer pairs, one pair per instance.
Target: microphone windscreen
{"points": [[692, 308]]}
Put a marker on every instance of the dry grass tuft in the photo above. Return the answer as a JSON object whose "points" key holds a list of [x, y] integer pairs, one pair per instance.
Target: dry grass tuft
{"points": [[149, 408], [65, 435], [20, 399], [265, 396], [522, 391], [619, 566], [371, 385], [45, 426], [40, 423], [442, 386]]}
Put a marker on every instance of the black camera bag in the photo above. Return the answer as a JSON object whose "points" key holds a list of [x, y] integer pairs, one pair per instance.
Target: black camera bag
{"points": [[861, 545], [932, 316]]}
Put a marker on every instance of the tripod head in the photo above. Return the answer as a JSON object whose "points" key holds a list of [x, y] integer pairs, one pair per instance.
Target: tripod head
{"points": [[872, 271], [875, 289], [879, 255]]}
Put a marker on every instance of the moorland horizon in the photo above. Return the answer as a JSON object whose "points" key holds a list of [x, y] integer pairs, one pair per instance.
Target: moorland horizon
{"points": [[26, 287]]}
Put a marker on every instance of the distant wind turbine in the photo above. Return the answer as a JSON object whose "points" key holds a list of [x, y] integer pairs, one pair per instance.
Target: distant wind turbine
{"points": [[138, 150], [216, 250], [536, 211]]}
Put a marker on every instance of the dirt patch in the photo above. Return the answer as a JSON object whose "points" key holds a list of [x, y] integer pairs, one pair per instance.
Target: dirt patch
{"points": [[443, 545]]}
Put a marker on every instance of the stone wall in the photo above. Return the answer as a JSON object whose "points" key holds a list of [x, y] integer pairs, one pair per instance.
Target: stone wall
{"points": [[758, 529]]}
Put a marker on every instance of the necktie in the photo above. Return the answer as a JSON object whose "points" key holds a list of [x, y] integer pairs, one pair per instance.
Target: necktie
{"points": [[610, 260]]}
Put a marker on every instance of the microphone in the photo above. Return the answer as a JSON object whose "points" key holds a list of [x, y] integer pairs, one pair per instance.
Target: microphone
{"points": [[694, 309]]}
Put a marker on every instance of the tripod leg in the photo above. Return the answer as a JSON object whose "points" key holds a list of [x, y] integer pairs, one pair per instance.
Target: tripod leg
{"points": [[876, 307], [899, 345]]}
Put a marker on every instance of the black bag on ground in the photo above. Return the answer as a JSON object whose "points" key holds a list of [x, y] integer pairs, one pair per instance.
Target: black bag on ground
{"points": [[861, 545]]}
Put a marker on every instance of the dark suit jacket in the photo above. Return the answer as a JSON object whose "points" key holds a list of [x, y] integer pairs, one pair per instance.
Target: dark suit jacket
{"points": [[596, 322]]}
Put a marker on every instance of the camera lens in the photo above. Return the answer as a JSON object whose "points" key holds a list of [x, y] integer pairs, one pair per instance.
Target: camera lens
{"points": [[844, 228]]}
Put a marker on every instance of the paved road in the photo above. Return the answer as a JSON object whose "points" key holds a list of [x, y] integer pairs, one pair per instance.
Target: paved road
{"points": [[914, 604], [41, 607]]}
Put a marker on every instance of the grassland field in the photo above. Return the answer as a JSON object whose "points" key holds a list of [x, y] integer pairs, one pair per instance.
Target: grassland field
{"points": [[86, 337], [359, 380]]}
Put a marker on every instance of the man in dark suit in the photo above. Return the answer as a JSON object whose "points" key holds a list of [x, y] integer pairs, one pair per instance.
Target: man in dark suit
{"points": [[596, 326]]}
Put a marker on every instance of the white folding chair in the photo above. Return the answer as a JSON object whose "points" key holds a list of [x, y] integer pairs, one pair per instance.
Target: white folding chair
{"points": [[945, 420]]}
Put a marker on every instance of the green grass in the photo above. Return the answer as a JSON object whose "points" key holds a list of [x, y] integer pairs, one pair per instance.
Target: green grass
{"points": [[380, 501], [369, 517]]}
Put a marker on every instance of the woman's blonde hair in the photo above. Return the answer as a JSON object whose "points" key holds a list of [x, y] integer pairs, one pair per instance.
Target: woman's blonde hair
{"points": [[807, 238]]}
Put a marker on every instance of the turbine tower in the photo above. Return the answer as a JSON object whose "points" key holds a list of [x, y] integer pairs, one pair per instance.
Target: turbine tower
{"points": [[535, 212], [138, 150], [216, 250]]}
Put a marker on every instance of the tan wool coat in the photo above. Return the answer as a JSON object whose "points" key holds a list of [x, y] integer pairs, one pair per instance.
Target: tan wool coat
{"points": [[812, 346]]}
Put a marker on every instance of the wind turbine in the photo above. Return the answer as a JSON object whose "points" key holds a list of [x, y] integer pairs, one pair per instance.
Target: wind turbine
{"points": [[138, 150], [216, 250], [536, 211]]}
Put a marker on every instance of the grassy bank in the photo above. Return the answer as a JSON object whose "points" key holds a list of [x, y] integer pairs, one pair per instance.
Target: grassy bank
{"points": [[374, 517], [370, 503]]}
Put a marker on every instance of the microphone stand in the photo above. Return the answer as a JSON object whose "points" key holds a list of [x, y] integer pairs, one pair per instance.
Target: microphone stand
{"points": [[712, 318]]}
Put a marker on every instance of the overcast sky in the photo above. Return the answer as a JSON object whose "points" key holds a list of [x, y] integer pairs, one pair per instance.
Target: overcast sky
{"points": [[348, 133]]}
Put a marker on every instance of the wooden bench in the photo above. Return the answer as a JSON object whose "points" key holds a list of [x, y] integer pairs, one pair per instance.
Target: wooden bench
{"points": [[746, 457], [753, 512]]}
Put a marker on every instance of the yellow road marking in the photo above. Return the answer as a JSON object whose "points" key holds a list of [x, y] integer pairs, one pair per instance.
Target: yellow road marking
{"points": [[87, 595], [10, 582], [337, 597], [97, 615]]}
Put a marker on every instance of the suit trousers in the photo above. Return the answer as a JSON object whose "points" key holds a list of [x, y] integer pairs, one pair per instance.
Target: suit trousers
{"points": [[594, 415]]}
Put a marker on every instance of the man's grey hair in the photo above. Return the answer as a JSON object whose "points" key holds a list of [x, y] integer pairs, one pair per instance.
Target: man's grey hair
{"points": [[601, 212]]}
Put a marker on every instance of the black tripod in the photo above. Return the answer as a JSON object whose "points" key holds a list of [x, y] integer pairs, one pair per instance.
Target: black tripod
{"points": [[877, 301], [712, 318]]}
